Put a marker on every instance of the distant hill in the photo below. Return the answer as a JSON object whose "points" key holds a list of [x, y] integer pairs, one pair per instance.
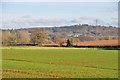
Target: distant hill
{"points": [[77, 33], [83, 32]]}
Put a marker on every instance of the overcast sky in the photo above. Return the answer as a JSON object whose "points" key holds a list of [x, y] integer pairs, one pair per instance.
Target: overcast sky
{"points": [[37, 14]]}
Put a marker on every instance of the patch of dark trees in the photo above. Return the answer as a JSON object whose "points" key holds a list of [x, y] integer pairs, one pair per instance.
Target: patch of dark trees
{"points": [[26, 45]]}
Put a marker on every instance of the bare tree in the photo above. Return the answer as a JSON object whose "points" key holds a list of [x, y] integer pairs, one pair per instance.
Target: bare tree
{"points": [[23, 37], [38, 36], [12, 39], [58, 40], [5, 37]]}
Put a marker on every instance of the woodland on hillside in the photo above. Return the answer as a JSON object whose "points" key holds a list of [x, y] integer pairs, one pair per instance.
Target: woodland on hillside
{"points": [[58, 35]]}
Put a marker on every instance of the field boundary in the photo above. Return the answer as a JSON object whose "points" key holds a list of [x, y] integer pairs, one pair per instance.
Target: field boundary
{"points": [[36, 47]]}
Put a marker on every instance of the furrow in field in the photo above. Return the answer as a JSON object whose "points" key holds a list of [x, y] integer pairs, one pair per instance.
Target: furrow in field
{"points": [[10, 71], [61, 64]]}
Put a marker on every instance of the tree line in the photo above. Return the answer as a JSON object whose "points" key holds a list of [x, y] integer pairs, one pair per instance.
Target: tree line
{"points": [[13, 37], [56, 35]]}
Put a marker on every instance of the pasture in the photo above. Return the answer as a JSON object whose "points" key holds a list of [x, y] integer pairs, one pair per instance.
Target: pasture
{"points": [[36, 62]]}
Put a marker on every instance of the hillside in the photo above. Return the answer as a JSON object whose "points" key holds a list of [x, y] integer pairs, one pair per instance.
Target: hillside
{"points": [[82, 32], [76, 33]]}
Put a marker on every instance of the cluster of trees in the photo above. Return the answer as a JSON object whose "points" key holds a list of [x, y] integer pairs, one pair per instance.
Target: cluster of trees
{"points": [[13, 37], [16, 37], [58, 35], [40, 36]]}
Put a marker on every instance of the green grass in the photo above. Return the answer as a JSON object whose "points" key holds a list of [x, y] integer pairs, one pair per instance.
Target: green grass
{"points": [[59, 63]]}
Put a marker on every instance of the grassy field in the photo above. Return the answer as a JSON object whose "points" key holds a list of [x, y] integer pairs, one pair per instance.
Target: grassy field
{"points": [[35, 62]]}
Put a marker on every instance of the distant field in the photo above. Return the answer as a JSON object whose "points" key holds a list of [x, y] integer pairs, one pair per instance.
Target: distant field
{"points": [[36, 62]]}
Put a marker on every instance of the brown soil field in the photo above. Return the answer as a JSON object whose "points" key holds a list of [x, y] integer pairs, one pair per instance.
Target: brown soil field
{"points": [[99, 43]]}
